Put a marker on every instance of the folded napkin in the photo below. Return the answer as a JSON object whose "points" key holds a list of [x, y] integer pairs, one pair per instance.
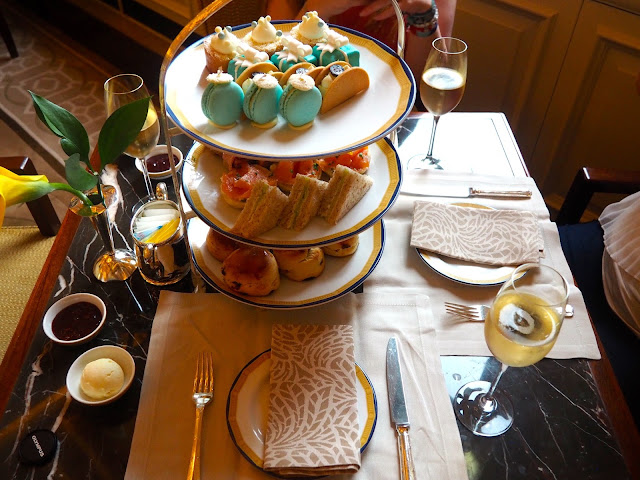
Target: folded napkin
{"points": [[313, 413], [478, 235]]}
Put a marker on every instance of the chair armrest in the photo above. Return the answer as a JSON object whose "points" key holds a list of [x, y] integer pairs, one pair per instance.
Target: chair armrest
{"points": [[590, 180], [41, 209]]}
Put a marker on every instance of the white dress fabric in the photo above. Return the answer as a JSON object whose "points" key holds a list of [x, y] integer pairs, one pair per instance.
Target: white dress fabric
{"points": [[621, 259]]}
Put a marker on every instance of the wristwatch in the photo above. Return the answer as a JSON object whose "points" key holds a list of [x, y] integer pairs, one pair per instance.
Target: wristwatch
{"points": [[423, 24]]}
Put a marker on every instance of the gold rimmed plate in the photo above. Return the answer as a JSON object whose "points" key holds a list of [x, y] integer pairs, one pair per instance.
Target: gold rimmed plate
{"points": [[357, 122], [201, 185], [466, 272], [248, 404], [340, 275]]}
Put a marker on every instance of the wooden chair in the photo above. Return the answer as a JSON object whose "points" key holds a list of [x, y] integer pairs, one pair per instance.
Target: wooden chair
{"points": [[583, 247], [591, 180], [7, 37], [23, 251]]}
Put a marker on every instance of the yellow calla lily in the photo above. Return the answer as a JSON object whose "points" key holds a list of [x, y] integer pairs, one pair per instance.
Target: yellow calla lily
{"points": [[21, 188]]}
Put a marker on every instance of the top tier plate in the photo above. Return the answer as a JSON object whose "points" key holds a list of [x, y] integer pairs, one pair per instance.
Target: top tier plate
{"points": [[359, 121]]}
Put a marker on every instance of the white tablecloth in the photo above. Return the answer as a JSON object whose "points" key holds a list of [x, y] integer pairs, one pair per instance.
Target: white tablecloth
{"points": [[401, 270], [186, 324]]}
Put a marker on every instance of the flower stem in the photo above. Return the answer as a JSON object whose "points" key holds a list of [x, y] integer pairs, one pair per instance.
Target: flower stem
{"points": [[70, 189]]}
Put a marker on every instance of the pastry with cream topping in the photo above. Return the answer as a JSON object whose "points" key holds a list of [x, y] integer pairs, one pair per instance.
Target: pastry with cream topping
{"points": [[222, 100], [311, 30], [219, 48], [336, 47], [293, 53], [246, 57], [264, 37]]}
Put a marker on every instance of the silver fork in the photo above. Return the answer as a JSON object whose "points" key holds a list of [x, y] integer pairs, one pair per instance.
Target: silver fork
{"points": [[202, 396], [479, 313]]}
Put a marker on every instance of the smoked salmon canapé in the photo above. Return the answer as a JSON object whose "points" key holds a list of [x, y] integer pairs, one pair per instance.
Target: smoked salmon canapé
{"points": [[287, 171], [236, 184], [357, 160]]}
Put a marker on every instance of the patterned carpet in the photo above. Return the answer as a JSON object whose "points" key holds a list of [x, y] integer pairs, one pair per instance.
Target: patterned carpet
{"points": [[53, 66]]}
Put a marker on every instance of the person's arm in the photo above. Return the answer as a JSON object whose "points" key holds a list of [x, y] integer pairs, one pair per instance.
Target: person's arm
{"points": [[416, 47], [294, 9]]}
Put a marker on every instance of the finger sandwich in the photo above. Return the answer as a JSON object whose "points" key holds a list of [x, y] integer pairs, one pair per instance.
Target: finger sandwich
{"points": [[304, 201], [346, 188], [262, 211]]}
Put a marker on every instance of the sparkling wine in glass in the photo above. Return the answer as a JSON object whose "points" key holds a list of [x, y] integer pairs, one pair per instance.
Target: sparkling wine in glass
{"points": [[522, 327], [441, 88], [127, 88]]}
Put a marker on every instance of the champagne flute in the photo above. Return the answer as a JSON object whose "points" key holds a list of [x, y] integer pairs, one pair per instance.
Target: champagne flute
{"points": [[441, 88], [127, 88], [521, 328]]}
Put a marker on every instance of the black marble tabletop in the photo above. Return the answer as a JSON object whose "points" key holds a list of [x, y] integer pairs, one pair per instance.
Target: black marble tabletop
{"points": [[561, 429]]}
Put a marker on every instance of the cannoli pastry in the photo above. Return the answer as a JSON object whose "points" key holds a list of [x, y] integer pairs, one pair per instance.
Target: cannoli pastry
{"points": [[311, 30], [338, 82], [336, 47], [222, 100], [219, 48], [264, 37]]}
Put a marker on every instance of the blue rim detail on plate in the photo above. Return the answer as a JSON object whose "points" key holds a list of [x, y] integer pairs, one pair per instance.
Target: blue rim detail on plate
{"points": [[341, 292], [397, 118], [346, 232], [248, 457], [462, 281]]}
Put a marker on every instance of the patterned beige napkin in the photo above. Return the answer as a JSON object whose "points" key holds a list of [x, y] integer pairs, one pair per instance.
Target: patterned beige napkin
{"points": [[478, 235], [313, 415]]}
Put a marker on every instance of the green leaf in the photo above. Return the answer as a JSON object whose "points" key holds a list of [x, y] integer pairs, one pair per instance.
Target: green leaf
{"points": [[77, 174], [121, 129], [63, 124]]}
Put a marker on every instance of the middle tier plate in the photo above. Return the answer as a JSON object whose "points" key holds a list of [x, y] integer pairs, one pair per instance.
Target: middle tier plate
{"points": [[201, 185]]}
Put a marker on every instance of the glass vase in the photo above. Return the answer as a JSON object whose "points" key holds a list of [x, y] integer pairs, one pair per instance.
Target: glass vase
{"points": [[114, 263]]}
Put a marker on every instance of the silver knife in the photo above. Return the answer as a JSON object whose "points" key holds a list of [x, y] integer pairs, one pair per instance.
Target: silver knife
{"points": [[398, 409], [460, 191]]}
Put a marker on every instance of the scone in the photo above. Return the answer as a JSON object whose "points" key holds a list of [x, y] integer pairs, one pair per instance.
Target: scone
{"points": [[300, 265], [264, 37], [342, 248], [251, 271], [219, 246]]}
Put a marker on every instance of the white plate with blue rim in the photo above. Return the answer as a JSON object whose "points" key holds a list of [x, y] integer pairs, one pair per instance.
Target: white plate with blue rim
{"points": [[201, 186], [341, 275], [467, 272], [359, 121], [248, 407]]}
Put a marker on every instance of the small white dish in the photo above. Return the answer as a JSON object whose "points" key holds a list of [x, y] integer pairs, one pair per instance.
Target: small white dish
{"points": [[63, 303], [157, 150], [117, 354]]}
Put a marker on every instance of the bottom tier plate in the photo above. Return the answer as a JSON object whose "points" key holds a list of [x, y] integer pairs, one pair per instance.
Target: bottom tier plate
{"points": [[340, 276]]}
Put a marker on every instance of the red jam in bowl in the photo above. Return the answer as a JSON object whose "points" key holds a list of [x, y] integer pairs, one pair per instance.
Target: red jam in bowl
{"points": [[76, 321], [160, 162]]}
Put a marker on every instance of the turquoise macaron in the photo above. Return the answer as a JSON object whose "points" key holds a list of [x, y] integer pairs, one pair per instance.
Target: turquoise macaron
{"points": [[222, 100], [301, 101], [261, 101]]}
